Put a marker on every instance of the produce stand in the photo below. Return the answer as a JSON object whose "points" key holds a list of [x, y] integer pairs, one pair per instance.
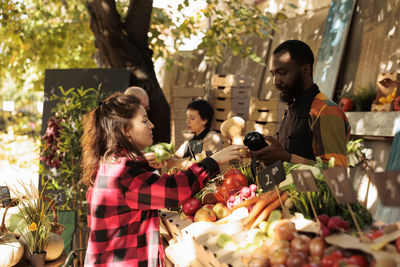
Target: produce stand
{"points": [[198, 242]]}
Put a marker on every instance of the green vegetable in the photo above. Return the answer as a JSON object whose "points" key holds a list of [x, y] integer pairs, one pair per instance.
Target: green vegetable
{"points": [[226, 242], [163, 151]]}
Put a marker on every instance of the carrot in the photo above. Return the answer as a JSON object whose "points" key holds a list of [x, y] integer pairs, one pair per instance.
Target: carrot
{"points": [[251, 201], [259, 206], [268, 209]]}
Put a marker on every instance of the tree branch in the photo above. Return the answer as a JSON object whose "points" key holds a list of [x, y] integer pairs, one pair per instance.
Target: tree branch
{"points": [[138, 22]]}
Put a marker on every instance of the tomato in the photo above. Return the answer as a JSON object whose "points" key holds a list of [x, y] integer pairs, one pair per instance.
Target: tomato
{"points": [[374, 234], [233, 181], [398, 244], [237, 176], [359, 260], [331, 260]]}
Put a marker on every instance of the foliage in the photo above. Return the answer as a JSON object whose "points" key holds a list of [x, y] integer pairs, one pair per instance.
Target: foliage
{"points": [[39, 34], [323, 200], [364, 97], [61, 148], [34, 225], [354, 151]]}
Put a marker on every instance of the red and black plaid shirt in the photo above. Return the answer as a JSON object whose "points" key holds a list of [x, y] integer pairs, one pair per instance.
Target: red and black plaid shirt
{"points": [[123, 210]]}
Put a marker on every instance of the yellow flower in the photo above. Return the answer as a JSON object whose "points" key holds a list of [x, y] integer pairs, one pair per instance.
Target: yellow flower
{"points": [[32, 227]]}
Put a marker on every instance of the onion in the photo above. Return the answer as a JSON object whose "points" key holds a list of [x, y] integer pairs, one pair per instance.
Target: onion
{"points": [[300, 243], [317, 247]]}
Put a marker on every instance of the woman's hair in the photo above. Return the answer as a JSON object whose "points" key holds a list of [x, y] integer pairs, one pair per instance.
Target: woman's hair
{"points": [[103, 132], [204, 108]]}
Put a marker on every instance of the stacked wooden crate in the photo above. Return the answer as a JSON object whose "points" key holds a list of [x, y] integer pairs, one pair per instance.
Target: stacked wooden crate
{"points": [[180, 98], [230, 96], [265, 115]]}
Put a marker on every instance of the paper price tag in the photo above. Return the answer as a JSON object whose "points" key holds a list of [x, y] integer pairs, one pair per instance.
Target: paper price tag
{"points": [[304, 181], [272, 175], [388, 185], [5, 196], [340, 185]]}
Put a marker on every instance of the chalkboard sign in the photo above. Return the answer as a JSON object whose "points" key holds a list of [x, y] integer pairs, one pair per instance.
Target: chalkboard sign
{"points": [[5, 197], [339, 184], [304, 180], [388, 185], [58, 195], [272, 175]]}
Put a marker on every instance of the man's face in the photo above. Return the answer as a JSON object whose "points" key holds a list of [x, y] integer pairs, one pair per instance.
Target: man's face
{"points": [[288, 79]]}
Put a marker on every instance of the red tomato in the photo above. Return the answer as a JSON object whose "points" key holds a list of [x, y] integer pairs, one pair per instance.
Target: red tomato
{"points": [[237, 176], [331, 260], [374, 234], [359, 260]]}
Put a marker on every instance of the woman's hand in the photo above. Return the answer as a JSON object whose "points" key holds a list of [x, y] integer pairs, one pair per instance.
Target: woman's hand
{"points": [[152, 160], [228, 153]]}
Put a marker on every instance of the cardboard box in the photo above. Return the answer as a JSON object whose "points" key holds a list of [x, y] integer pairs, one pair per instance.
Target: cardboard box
{"points": [[269, 128], [178, 91], [232, 80], [228, 91]]}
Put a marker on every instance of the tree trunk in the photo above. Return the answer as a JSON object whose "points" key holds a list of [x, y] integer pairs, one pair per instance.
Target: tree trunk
{"points": [[124, 44]]}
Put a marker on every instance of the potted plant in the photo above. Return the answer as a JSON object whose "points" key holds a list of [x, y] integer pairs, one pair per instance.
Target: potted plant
{"points": [[34, 224]]}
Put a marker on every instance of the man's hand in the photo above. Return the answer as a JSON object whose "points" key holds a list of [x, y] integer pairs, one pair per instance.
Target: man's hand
{"points": [[272, 153], [151, 159]]}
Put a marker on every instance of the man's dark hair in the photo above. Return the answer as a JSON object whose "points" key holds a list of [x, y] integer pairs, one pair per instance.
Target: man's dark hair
{"points": [[298, 50], [204, 108]]}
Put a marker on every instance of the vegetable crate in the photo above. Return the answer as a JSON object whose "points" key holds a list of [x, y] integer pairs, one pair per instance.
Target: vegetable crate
{"points": [[232, 80], [225, 108], [265, 128], [195, 244]]}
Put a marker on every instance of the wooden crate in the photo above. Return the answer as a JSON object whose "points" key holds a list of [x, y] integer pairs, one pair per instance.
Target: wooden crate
{"points": [[265, 104], [216, 124], [232, 80], [269, 128], [228, 91], [224, 114], [264, 115], [179, 91], [230, 103]]}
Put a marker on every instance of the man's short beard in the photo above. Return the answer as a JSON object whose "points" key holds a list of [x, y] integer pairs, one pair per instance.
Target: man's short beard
{"points": [[293, 91]]}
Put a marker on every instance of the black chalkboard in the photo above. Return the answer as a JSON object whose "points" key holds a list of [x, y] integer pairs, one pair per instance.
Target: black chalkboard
{"points": [[272, 175], [5, 196], [334, 40]]}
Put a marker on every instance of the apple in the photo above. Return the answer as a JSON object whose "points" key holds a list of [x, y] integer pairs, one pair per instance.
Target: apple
{"points": [[191, 206], [209, 198], [221, 210], [346, 104], [183, 216], [208, 206], [396, 104], [205, 214]]}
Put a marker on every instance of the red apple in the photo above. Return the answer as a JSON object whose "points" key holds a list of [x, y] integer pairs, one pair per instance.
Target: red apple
{"points": [[205, 214], [191, 206], [221, 210], [396, 105], [346, 104]]}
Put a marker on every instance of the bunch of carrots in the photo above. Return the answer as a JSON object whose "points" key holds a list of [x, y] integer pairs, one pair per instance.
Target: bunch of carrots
{"points": [[264, 204]]}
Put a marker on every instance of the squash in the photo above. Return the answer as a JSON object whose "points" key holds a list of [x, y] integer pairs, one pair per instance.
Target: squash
{"points": [[11, 250], [55, 247], [233, 130]]}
